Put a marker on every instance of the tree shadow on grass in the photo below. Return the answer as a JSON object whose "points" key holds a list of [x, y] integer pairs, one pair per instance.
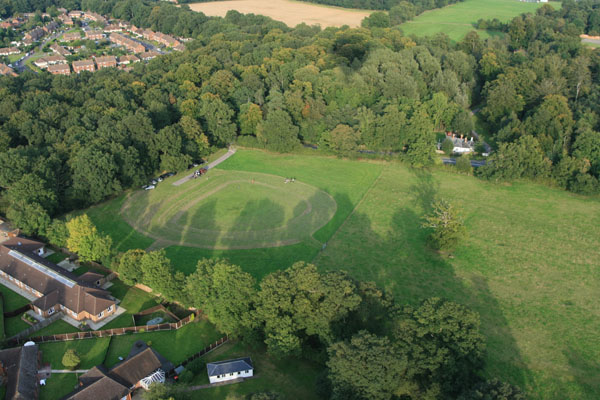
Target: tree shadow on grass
{"points": [[400, 262], [585, 373]]}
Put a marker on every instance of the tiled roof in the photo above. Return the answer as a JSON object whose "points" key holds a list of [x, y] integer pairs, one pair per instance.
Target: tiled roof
{"points": [[229, 366]]}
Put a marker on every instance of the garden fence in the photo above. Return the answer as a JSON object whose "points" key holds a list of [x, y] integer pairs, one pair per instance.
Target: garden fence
{"points": [[107, 332], [205, 350]]}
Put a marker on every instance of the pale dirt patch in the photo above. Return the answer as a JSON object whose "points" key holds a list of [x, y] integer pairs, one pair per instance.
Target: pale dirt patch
{"points": [[289, 12]]}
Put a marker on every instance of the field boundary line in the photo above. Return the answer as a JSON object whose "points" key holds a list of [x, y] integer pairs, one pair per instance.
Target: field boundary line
{"points": [[353, 210]]}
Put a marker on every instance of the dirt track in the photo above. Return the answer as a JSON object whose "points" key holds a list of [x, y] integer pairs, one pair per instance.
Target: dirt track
{"points": [[291, 13]]}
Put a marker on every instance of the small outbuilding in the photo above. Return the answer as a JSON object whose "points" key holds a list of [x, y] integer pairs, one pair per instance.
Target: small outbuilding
{"points": [[222, 371]]}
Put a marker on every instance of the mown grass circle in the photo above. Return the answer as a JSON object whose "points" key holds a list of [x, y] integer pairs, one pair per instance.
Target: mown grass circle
{"points": [[229, 210]]}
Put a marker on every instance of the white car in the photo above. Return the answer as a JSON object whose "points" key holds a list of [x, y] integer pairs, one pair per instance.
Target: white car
{"points": [[149, 187]]}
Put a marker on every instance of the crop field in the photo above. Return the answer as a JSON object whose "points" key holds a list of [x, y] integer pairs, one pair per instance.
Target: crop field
{"points": [[289, 12], [458, 19], [530, 267]]}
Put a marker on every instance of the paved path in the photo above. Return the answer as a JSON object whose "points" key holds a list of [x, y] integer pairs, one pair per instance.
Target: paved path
{"points": [[213, 164], [68, 371]]}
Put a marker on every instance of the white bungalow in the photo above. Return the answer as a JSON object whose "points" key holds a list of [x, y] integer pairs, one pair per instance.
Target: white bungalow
{"points": [[222, 371]]}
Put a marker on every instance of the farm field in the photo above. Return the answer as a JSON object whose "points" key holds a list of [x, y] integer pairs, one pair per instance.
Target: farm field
{"points": [[456, 20], [289, 12], [529, 268]]}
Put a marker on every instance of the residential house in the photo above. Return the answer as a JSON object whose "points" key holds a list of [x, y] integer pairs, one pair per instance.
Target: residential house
{"points": [[19, 366], [55, 289], [65, 19], [51, 26], [7, 51], [94, 35], [44, 62], [92, 16], [112, 28], [33, 35], [143, 367], [84, 65], [58, 49], [128, 43], [6, 70], [222, 371], [75, 14], [179, 47], [6, 25], [149, 55], [59, 69], [128, 59], [106, 62], [71, 36], [166, 40]]}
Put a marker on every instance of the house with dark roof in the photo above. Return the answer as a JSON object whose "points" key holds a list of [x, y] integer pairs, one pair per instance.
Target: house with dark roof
{"points": [[18, 369], [143, 367], [79, 297], [227, 370]]}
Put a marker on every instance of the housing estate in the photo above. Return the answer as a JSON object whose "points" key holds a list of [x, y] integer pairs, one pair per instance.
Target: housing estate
{"points": [[128, 43], [71, 36], [143, 367], [149, 55], [44, 62], [7, 51], [58, 49], [94, 35], [222, 371], [19, 368], [55, 289]]}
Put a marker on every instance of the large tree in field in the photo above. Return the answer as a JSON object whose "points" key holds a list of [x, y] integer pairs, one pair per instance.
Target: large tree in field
{"points": [[158, 273], [85, 240], [298, 303], [225, 293], [446, 222]]}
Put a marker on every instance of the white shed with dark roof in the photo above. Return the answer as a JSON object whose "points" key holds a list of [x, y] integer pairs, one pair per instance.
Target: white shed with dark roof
{"points": [[227, 370]]}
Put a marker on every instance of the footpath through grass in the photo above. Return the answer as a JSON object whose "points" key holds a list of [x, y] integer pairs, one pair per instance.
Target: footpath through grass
{"points": [[530, 268], [456, 20]]}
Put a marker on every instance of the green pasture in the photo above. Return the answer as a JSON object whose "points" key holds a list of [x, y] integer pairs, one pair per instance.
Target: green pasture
{"points": [[530, 268], [456, 20]]}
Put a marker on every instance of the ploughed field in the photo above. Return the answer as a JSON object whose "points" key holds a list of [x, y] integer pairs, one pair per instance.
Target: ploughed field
{"points": [[530, 267], [289, 12]]}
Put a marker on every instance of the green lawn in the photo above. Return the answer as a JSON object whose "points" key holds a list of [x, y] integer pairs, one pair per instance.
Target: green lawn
{"points": [[176, 346], [292, 378], [530, 268], [57, 386], [90, 351], [55, 328], [132, 299], [12, 301], [57, 257], [458, 19]]}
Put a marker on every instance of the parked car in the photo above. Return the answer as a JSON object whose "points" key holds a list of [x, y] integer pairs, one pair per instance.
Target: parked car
{"points": [[153, 182], [149, 187]]}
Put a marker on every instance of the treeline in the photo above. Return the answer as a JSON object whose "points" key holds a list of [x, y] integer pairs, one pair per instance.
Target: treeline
{"points": [[68, 142], [370, 347]]}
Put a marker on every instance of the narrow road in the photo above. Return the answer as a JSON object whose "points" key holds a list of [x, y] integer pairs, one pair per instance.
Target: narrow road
{"points": [[474, 163], [68, 371], [213, 164]]}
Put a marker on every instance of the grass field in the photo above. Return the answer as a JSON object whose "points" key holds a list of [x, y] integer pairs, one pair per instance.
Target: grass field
{"points": [[457, 20], [291, 13], [530, 268], [227, 209]]}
